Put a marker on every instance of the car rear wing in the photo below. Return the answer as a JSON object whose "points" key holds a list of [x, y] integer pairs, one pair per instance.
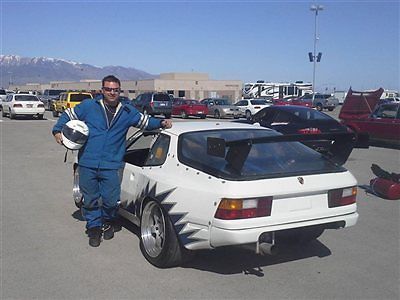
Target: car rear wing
{"points": [[339, 152]]}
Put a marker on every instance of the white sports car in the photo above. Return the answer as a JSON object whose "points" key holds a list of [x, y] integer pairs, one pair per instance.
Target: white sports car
{"points": [[202, 185]]}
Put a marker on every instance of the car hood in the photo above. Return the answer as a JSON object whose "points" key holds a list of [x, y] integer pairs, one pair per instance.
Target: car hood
{"points": [[359, 105]]}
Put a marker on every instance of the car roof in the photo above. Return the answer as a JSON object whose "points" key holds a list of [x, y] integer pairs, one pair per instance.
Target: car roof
{"points": [[182, 127]]}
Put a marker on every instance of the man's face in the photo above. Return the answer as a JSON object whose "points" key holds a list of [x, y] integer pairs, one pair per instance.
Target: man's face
{"points": [[111, 92]]}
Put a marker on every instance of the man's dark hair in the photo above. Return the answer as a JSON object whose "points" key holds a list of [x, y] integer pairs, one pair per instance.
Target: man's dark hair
{"points": [[110, 78]]}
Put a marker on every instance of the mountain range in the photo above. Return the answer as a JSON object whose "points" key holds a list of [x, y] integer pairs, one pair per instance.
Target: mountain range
{"points": [[21, 70]]}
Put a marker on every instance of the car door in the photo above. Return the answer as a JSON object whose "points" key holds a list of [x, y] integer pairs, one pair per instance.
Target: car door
{"points": [[6, 103], [142, 153], [384, 123]]}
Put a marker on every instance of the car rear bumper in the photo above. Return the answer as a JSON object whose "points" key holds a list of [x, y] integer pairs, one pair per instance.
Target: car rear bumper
{"points": [[225, 237], [27, 111]]}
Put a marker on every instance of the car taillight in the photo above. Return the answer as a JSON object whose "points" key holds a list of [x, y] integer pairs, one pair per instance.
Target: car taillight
{"points": [[309, 130], [232, 209], [17, 105], [68, 105], [257, 107], [341, 197], [40, 105], [152, 104]]}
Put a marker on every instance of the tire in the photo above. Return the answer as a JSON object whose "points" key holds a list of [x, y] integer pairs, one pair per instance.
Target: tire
{"points": [[167, 116], [55, 113], [217, 115], [301, 235], [248, 115], [319, 107], [3, 113], [330, 109], [184, 114], [158, 241], [12, 116], [202, 116], [40, 117]]}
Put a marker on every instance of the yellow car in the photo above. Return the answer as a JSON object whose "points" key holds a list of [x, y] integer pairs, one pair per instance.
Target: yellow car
{"points": [[69, 100]]}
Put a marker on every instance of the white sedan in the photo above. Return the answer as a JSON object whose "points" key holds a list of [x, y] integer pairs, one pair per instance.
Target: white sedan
{"points": [[203, 185], [22, 104], [250, 107]]}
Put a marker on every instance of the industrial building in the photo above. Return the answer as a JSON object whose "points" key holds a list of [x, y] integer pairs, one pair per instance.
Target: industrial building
{"points": [[189, 85]]}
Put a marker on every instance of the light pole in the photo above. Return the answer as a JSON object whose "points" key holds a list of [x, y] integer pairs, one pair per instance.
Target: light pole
{"points": [[313, 57]]}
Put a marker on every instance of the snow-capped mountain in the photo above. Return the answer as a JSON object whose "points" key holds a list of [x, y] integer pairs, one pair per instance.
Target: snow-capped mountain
{"points": [[22, 70]]}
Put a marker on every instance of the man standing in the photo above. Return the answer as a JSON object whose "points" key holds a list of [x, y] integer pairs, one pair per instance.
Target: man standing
{"points": [[101, 157]]}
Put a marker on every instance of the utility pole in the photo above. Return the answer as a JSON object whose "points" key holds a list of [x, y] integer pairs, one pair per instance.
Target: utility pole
{"points": [[314, 58]]}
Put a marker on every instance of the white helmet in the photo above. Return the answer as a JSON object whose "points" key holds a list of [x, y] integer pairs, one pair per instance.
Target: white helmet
{"points": [[74, 134]]}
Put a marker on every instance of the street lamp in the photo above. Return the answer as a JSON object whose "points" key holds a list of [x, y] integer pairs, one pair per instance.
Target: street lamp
{"points": [[314, 58]]}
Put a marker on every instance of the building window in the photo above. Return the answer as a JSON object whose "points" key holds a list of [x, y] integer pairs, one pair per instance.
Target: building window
{"points": [[131, 91], [170, 92], [181, 94]]}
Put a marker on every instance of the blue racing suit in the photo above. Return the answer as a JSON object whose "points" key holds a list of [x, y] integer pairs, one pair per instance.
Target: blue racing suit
{"points": [[101, 157]]}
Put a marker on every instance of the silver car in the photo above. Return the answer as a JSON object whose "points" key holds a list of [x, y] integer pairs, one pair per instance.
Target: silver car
{"points": [[221, 108]]}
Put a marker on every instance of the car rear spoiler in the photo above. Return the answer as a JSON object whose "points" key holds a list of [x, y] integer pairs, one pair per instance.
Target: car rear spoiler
{"points": [[339, 152]]}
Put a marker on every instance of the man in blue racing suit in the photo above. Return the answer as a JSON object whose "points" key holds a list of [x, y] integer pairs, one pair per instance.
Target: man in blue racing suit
{"points": [[99, 160]]}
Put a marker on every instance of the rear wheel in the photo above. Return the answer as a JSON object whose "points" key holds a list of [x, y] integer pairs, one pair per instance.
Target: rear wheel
{"points": [[12, 116], [40, 117], [167, 116], [202, 116], [3, 113], [330, 109], [55, 113], [158, 241], [319, 107]]}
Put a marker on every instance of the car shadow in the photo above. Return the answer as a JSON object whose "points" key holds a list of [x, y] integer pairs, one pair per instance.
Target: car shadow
{"points": [[239, 259]]}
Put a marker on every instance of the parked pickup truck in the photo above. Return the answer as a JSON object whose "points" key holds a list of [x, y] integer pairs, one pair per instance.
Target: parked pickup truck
{"points": [[321, 101]]}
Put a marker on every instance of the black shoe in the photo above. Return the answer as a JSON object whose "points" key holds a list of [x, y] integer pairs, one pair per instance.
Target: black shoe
{"points": [[108, 230], [94, 236]]}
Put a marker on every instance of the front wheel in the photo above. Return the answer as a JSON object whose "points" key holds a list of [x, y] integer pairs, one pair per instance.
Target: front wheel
{"points": [[319, 107], [55, 113], [217, 115], [248, 115], [183, 114], [158, 241]]}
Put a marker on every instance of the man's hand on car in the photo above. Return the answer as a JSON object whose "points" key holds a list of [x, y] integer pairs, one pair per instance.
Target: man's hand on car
{"points": [[166, 124]]}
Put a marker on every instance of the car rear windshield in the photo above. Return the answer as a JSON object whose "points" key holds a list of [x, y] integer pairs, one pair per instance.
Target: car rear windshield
{"points": [[251, 161], [3, 92], [26, 98], [258, 102], [221, 102], [161, 97], [78, 97], [55, 92], [310, 114]]}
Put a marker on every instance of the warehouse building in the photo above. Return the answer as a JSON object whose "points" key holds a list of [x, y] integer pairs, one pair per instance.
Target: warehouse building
{"points": [[188, 85]]}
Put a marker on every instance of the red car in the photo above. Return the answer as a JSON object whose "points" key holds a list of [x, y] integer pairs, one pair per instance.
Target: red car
{"points": [[292, 100], [362, 112], [188, 107]]}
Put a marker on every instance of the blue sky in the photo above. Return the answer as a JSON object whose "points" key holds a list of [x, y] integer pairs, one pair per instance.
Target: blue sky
{"points": [[238, 40]]}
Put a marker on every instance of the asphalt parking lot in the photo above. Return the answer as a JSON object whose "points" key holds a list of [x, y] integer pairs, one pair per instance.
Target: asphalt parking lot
{"points": [[45, 253]]}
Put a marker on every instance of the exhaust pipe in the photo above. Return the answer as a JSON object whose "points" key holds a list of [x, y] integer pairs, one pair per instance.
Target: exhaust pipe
{"points": [[266, 244]]}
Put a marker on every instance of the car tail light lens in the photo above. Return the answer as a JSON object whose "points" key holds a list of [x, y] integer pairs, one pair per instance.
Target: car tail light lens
{"points": [[232, 209], [68, 105], [17, 105], [342, 197], [257, 107], [152, 104], [309, 130], [40, 105]]}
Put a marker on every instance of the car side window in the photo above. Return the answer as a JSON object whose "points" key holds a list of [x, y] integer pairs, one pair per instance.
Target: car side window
{"points": [[386, 112], [158, 152]]}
